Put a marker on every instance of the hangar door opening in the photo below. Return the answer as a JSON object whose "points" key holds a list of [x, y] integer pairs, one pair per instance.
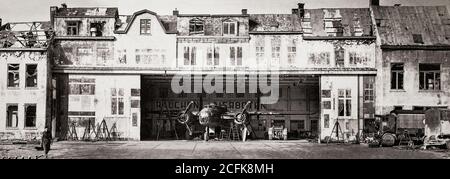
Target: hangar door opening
{"points": [[297, 108]]}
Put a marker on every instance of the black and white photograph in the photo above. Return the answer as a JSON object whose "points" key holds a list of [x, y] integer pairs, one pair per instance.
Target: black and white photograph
{"points": [[224, 79]]}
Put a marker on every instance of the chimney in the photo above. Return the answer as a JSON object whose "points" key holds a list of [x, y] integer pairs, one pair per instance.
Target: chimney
{"points": [[244, 11], [53, 10], [176, 12], [397, 4], [294, 11], [374, 3], [0, 22], [301, 10], [64, 5]]}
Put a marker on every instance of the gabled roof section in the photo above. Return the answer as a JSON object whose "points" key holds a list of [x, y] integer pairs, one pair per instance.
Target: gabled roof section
{"points": [[337, 22], [275, 23], [87, 12], [413, 25], [167, 23]]}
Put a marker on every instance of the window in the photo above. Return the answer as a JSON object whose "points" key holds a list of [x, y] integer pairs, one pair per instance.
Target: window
{"points": [[73, 28], [326, 123], [398, 107], [417, 38], [368, 92], [260, 55], [210, 57], [190, 55], [292, 54], [236, 56], [229, 28], [196, 26], [12, 118], [276, 48], [102, 56], [81, 86], [30, 115], [122, 56], [13, 75], [397, 76], [321, 58], [429, 76], [31, 75], [97, 29], [326, 95], [339, 57], [344, 102], [117, 105], [145, 26]]}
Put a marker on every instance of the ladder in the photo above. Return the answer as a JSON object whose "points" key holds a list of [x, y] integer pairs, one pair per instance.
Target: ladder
{"points": [[234, 132]]}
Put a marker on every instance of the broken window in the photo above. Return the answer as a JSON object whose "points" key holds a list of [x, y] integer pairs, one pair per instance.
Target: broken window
{"points": [[12, 118], [145, 26], [397, 76], [429, 76], [73, 28], [321, 58], [344, 102], [31, 75], [229, 28], [97, 29], [236, 56], [13, 75], [196, 26], [117, 102], [30, 115], [339, 57]]}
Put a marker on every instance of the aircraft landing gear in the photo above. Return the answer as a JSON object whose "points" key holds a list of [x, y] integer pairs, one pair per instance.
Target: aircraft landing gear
{"points": [[206, 135], [244, 134]]}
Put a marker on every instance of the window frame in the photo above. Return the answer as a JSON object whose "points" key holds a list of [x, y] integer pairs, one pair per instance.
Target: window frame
{"points": [[423, 74], [145, 27], [71, 27], [397, 74], [190, 56], [235, 56], [26, 115], [193, 24], [345, 98], [27, 75], [16, 73], [115, 110], [8, 115], [371, 93], [227, 25], [259, 52]]}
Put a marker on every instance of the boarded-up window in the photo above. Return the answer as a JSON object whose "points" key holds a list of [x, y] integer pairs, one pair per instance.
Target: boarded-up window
{"points": [[429, 76], [12, 118], [135, 103], [397, 76], [13, 75], [117, 101], [30, 115], [135, 92]]}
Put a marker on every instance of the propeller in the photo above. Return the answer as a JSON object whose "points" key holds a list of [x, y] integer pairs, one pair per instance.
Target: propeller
{"points": [[241, 118]]}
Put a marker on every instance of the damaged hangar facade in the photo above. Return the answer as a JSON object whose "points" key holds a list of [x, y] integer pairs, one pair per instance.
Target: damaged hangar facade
{"points": [[335, 65]]}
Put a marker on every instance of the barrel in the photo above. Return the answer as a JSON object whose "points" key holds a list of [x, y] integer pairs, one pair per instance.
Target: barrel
{"points": [[388, 140]]}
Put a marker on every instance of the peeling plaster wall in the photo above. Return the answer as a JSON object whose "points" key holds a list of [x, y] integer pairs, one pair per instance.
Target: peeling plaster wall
{"points": [[85, 53], [161, 45], [213, 26], [22, 95], [411, 95], [100, 103], [84, 27], [365, 50]]}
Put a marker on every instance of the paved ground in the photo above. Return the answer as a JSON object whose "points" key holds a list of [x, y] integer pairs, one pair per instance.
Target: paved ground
{"points": [[215, 150]]}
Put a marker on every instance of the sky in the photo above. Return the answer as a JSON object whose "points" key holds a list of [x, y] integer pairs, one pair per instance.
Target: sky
{"points": [[38, 10]]}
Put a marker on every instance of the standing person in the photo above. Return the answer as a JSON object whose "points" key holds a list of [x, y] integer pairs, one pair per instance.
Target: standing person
{"points": [[46, 141]]}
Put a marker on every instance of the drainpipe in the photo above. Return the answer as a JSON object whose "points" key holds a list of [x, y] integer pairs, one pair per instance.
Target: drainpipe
{"points": [[357, 134]]}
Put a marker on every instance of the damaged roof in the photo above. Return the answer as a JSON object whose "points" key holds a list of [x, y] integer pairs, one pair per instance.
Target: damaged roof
{"points": [[87, 12], [413, 25], [275, 23], [340, 22]]}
